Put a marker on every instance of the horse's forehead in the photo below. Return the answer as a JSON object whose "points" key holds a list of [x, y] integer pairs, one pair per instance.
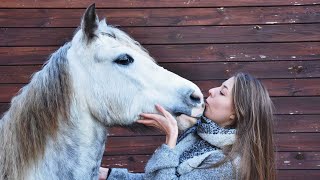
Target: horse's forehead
{"points": [[109, 34], [117, 43], [112, 39]]}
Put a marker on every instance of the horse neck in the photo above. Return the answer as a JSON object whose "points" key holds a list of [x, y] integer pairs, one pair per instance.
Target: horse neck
{"points": [[45, 133], [77, 151], [74, 153]]}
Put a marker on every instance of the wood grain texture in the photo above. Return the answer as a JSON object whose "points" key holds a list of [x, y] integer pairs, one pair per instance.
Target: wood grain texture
{"points": [[135, 163], [295, 142], [283, 124], [283, 105], [172, 35], [200, 71], [223, 70], [298, 160], [164, 16], [297, 123], [275, 87], [297, 105], [285, 161], [298, 174], [187, 53], [150, 3]]}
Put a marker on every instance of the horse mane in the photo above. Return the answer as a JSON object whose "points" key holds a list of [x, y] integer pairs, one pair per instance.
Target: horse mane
{"points": [[34, 116]]}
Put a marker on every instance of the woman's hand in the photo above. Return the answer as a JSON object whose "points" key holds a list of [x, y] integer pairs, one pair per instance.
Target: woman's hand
{"points": [[165, 122], [103, 173]]}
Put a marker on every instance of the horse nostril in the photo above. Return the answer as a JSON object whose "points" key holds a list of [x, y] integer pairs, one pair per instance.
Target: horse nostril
{"points": [[195, 98]]}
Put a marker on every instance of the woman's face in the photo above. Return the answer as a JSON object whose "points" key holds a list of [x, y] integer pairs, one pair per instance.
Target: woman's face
{"points": [[219, 104]]}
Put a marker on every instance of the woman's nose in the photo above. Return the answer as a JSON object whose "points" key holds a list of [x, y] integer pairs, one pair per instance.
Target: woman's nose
{"points": [[211, 92]]}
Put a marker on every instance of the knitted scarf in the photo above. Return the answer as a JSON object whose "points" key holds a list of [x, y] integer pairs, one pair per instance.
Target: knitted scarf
{"points": [[210, 137]]}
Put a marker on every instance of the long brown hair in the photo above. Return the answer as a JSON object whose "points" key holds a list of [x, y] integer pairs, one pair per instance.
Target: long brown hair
{"points": [[254, 123]]}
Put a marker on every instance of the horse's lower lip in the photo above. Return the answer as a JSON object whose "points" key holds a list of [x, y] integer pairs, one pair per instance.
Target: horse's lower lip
{"points": [[178, 114]]}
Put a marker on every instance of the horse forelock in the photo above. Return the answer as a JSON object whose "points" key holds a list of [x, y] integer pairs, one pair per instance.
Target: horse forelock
{"points": [[115, 33], [122, 37], [34, 116], [125, 39]]}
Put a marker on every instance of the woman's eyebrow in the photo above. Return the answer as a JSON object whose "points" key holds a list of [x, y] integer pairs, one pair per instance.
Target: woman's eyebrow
{"points": [[225, 86]]}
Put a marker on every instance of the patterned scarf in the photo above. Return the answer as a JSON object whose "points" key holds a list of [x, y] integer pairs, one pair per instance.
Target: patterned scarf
{"points": [[210, 137]]}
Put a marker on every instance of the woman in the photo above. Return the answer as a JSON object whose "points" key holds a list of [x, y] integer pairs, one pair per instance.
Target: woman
{"points": [[232, 141]]}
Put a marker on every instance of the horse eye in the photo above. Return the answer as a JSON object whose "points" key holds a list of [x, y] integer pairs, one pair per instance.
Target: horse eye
{"points": [[124, 59]]}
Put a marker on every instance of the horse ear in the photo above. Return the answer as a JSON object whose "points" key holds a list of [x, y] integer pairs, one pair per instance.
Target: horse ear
{"points": [[90, 22]]}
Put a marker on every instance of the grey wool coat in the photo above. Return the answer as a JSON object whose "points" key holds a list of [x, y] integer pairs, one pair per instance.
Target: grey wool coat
{"points": [[165, 162]]}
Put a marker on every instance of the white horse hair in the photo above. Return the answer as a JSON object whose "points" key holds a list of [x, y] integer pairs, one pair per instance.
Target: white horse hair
{"points": [[56, 125]]}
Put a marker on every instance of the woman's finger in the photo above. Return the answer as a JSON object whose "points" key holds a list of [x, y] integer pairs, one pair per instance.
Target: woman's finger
{"points": [[152, 123], [166, 114], [161, 120], [146, 121], [163, 111], [151, 116]]}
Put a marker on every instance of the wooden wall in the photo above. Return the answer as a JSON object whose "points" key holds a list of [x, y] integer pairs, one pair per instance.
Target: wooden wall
{"points": [[205, 41]]}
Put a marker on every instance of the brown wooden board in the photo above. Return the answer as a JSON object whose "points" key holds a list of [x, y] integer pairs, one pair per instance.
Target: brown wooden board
{"points": [[172, 35], [298, 160], [201, 71], [163, 17], [276, 87], [285, 160], [235, 52], [297, 142], [187, 53], [136, 163], [283, 105], [297, 123], [283, 124], [3, 108], [17, 74], [25, 55], [223, 70], [297, 105], [298, 174], [150, 3]]}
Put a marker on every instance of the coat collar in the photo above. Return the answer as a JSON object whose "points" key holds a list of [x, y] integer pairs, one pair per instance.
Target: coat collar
{"points": [[214, 134]]}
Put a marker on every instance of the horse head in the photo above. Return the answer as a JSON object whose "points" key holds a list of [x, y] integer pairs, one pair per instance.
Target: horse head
{"points": [[117, 79]]}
